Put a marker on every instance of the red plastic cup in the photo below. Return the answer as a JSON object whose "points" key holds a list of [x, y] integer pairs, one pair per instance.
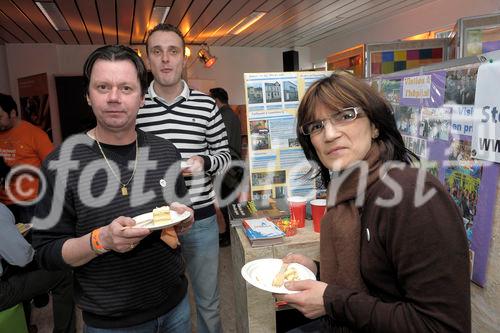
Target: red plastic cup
{"points": [[318, 209], [297, 207]]}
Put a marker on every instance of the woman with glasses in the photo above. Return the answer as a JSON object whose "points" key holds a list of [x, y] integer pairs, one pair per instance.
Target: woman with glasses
{"points": [[393, 250]]}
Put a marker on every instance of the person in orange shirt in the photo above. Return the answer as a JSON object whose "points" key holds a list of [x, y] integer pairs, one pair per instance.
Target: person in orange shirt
{"points": [[21, 144]]}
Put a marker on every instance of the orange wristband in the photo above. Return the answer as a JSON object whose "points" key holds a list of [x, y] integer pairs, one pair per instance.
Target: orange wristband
{"points": [[95, 242]]}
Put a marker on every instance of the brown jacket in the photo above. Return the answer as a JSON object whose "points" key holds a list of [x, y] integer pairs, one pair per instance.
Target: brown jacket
{"points": [[414, 262]]}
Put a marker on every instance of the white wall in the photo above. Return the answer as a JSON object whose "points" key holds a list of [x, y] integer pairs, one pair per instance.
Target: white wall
{"points": [[434, 15], [232, 63], [30, 59], [4, 73], [226, 73], [72, 57]]}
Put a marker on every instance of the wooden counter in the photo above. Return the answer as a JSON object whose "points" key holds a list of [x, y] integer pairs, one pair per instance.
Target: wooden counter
{"points": [[255, 310]]}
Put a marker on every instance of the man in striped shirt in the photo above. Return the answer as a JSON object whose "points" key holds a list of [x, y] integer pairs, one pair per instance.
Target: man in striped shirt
{"points": [[192, 122]]}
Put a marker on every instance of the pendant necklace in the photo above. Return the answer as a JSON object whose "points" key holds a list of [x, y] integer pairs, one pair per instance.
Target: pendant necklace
{"points": [[123, 187]]}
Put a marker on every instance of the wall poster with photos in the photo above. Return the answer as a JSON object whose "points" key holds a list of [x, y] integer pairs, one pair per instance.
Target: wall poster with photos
{"points": [[434, 111], [278, 165]]}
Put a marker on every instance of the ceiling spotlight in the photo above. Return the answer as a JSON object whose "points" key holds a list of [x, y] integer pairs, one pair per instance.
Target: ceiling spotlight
{"points": [[205, 57], [53, 15], [158, 16], [246, 22], [187, 51]]}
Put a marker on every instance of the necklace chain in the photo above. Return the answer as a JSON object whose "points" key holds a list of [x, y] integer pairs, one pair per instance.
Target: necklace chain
{"points": [[123, 186]]}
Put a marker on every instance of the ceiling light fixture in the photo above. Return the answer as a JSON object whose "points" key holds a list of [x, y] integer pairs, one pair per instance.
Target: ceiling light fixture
{"points": [[246, 22], [205, 57], [187, 51], [158, 16], [53, 15]]}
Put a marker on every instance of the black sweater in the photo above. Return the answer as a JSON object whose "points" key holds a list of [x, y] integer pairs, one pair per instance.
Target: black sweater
{"points": [[115, 290]]}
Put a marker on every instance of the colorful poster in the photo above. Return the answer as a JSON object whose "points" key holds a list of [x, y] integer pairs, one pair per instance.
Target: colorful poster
{"points": [[34, 101], [472, 185], [486, 127], [423, 90], [450, 136], [278, 166], [385, 62]]}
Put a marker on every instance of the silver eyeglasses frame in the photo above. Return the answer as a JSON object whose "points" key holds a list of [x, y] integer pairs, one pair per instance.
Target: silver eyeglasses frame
{"points": [[317, 126]]}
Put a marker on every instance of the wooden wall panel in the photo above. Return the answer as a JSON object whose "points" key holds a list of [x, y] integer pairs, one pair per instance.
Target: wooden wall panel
{"points": [[107, 14], [21, 20], [125, 16], [74, 21], [143, 9]]}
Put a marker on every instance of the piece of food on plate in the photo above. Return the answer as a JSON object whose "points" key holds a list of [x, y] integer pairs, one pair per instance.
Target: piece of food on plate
{"points": [[285, 274], [291, 274], [161, 215], [280, 277]]}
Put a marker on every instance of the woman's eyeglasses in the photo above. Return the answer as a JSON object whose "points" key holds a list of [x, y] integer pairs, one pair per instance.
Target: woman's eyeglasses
{"points": [[340, 118]]}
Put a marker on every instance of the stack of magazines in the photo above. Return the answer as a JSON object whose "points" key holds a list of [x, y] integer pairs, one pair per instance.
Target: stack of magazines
{"points": [[262, 232]]}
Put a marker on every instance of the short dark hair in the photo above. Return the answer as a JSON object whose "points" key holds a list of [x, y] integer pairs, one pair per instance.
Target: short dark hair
{"points": [[7, 103], [114, 53], [341, 90], [166, 27], [220, 94]]}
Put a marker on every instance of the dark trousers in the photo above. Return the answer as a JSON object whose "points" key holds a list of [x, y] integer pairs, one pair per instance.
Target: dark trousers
{"points": [[24, 286], [225, 192], [22, 214], [225, 211]]}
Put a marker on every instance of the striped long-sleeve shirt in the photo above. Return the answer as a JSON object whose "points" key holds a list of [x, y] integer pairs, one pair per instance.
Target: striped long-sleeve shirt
{"points": [[194, 125]]}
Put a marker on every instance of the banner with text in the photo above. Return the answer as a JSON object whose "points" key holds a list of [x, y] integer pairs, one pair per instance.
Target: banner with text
{"points": [[486, 128]]}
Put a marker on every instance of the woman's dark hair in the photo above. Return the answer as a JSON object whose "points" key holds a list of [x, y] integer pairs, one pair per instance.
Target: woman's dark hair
{"points": [[341, 90], [114, 53]]}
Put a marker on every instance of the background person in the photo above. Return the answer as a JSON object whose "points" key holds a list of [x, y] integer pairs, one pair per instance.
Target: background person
{"points": [[127, 279], [20, 143], [19, 284], [192, 122], [233, 176], [398, 266]]}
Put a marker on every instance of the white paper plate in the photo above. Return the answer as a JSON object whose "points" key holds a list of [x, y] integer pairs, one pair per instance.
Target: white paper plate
{"points": [[146, 220], [260, 273]]}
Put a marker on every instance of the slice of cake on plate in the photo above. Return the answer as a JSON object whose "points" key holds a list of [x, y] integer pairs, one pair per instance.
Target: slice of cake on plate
{"points": [[161, 215]]}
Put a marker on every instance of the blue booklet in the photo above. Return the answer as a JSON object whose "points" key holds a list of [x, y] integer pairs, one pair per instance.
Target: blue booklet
{"points": [[262, 232]]}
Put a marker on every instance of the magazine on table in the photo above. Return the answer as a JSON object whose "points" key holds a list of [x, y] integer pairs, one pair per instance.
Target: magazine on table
{"points": [[262, 232]]}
